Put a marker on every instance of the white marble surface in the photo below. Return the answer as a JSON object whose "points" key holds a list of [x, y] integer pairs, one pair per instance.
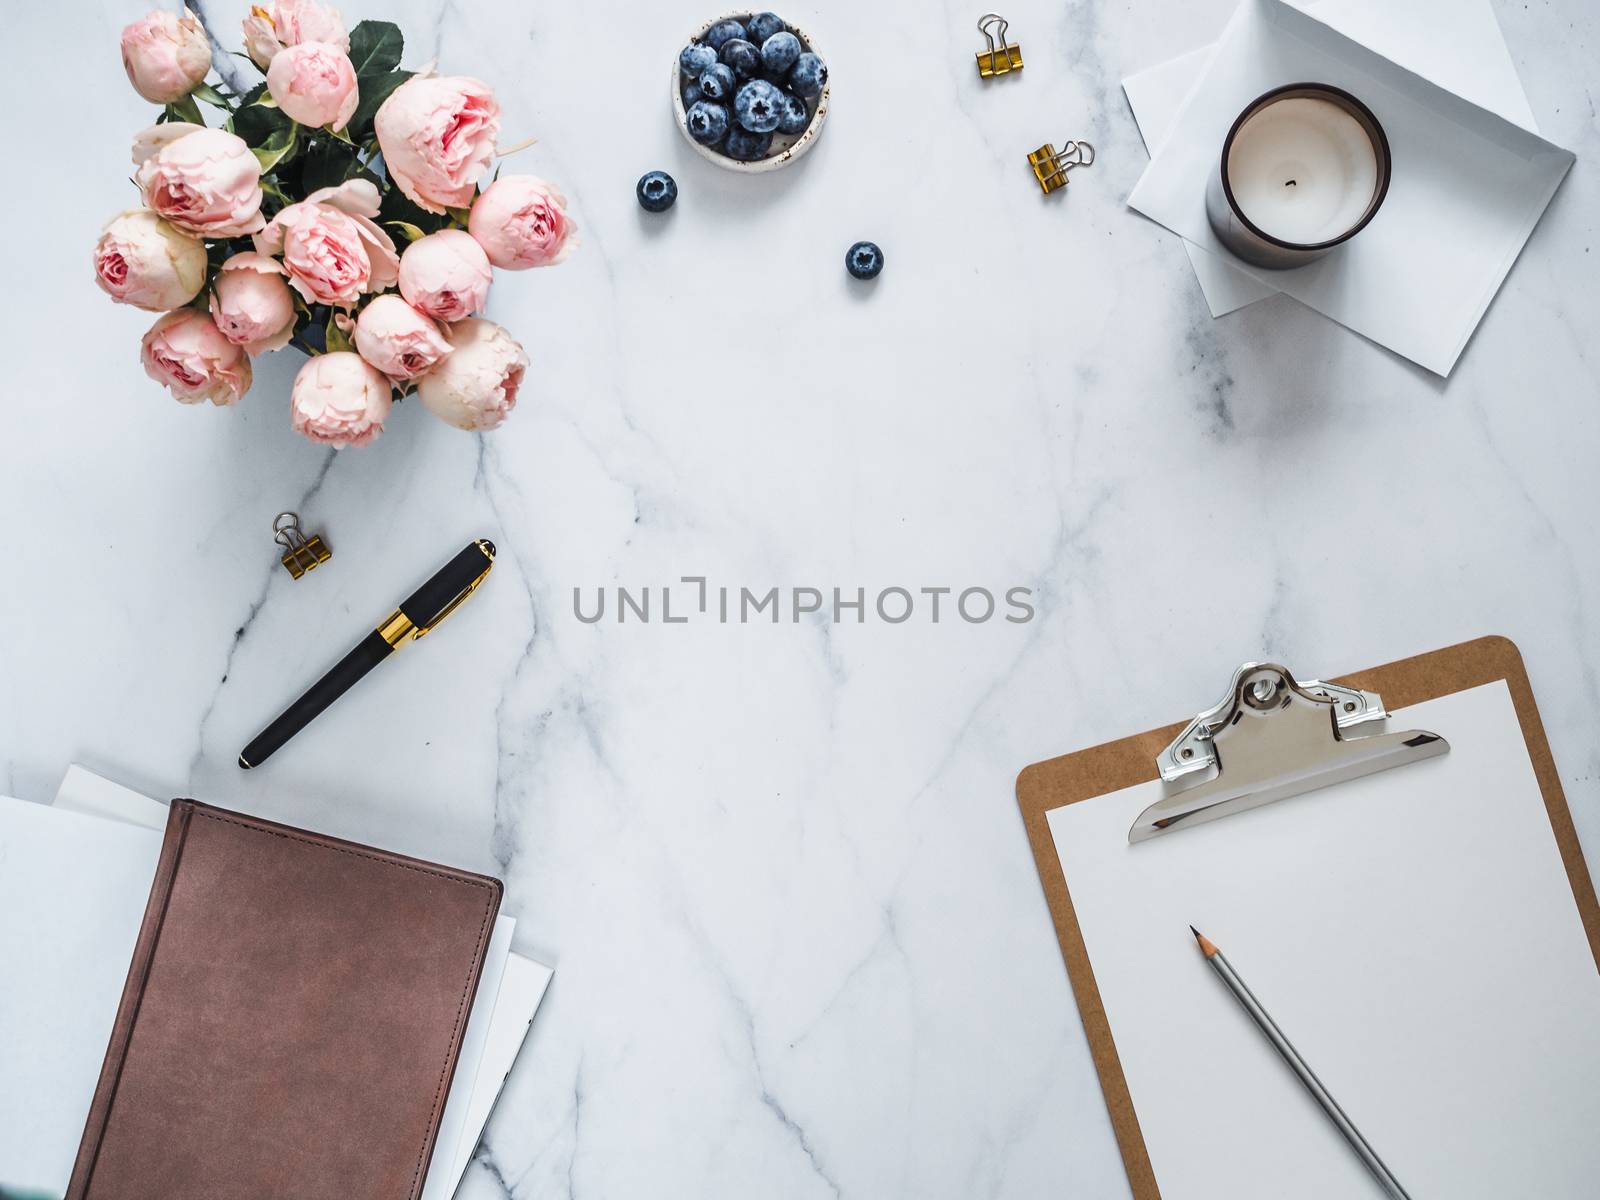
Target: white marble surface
{"points": [[801, 945]]}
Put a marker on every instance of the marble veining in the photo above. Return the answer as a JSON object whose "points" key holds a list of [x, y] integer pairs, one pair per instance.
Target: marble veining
{"points": [[801, 948]]}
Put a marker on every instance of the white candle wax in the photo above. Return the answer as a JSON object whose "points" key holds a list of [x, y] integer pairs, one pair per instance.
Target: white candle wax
{"points": [[1303, 170]]}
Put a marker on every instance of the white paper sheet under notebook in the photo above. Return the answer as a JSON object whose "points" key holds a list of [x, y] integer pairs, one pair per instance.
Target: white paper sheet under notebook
{"points": [[1455, 43], [72, 896], [1468, 186], [1415, 935]]}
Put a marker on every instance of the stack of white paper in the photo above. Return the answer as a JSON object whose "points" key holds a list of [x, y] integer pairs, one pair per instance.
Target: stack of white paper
{"points": [[1471, 177]]}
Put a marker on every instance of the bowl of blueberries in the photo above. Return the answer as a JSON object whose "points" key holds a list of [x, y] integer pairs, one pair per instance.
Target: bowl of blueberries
{"points": [[749, 92]]}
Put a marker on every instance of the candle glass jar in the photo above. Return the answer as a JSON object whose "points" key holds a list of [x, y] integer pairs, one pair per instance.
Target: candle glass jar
{"points": [[1304, 169]]}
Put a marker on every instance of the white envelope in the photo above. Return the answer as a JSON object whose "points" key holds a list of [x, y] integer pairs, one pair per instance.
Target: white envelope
{"points": [[1468, 185], [1455, 43], [72, 896]]}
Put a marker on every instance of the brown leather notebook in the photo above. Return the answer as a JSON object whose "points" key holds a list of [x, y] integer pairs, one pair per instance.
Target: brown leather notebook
{"points": [[291, 1019]]}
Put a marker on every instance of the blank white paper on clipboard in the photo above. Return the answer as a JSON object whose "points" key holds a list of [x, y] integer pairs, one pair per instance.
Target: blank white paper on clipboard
{"points": [[1415, 934]]}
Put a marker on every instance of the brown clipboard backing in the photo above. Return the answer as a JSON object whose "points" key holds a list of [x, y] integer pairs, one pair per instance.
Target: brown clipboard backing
{"points": [[1112, 766]]}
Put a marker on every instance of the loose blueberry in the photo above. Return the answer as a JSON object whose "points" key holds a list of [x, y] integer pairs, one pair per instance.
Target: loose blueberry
{"points": [[762, 26], [708, 122], [759, 106], [657, 191], [794, 116], [745, 145], [695, 58], [718, 83], [780, 52], [692, 94], [724, 31], [744, 58], [808, 76], [864, 260]]}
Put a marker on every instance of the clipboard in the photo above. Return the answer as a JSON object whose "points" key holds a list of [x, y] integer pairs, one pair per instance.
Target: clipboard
{"points": [[1112, 766]]}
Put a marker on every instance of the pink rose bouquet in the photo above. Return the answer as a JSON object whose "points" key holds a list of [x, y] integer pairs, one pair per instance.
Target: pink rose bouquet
{"points": [[339, 207]]}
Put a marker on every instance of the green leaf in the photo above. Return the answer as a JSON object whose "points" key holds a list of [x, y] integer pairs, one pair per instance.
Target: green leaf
{"points": [[375, 48], [185, 110], [211, 96], [256, 123], [328, 163], [406, 230], [374, 92], [397, 206], [337, 338], [276, 148]]}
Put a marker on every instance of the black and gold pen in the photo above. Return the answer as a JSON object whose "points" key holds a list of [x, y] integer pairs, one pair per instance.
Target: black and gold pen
{"points": [[417, 614]]}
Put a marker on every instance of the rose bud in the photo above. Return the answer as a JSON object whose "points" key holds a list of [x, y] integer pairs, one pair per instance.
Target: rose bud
{"points": [[521, 222], [288, 23], [203, 180], [149, 263], [340, 400], [251, 304], [333, 250], [437, 137], [397, 339], [166, 55], [315, 84], [476, 386], [446, 275], [185, 351]]}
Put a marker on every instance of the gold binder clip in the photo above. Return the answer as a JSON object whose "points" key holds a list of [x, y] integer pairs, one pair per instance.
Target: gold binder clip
{"points": [[1050, 166], [302, 554], [1000, 58]]}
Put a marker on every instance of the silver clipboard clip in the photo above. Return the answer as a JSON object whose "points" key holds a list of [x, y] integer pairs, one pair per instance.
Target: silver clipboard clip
{"points": [[1271, 738]]}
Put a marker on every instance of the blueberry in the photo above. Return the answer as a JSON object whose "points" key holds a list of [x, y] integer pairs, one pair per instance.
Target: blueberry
{"points": [[691, 94], [780, 52], [759, 106], [657, 191], [695, 58], [809, 75], [746, 146], [864, 260], [718, 83], [744, 58], [723, 31], [793, 116], [764, 25], [708, 122]]}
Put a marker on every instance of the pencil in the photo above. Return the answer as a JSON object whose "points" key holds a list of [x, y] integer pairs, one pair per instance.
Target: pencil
{"points": [[1246, 998]]}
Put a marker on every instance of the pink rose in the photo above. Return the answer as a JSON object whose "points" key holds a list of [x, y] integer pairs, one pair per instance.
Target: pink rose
{"points": [[288, 23], [332, 249], [144, 261], [522, 222], [251, 304], [340, 400], [185, 351], [437, 136], [397, 339], [446, 275], [165, 55], [476, 386], [203, 180], [314, 84]]}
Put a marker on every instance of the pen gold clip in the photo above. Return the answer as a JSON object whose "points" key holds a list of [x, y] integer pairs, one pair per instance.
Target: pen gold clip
{"points": [[458, 601]]}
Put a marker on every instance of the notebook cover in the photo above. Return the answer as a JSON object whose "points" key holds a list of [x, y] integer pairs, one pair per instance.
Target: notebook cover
{"points": [[1111, 766], [291, 1019]]}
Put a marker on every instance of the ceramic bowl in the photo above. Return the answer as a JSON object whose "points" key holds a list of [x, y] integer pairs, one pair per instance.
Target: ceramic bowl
{"points": [[786, 148]]}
